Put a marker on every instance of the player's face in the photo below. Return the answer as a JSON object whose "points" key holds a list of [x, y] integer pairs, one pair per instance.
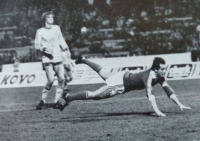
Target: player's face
{"points": [[162, 70], [50, 19]]}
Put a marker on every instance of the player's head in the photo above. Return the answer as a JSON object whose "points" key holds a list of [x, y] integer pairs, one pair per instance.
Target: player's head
{"points": [[48, 17], [159, 66]]}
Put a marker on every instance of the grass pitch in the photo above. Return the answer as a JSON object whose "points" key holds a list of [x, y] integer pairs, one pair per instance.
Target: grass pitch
{"points": [[127, 117]]}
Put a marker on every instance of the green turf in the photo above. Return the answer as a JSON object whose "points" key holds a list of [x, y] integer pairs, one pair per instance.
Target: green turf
{"points": [[126, 117]]}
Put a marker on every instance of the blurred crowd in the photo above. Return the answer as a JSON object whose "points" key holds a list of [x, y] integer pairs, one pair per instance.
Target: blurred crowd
{"points": [[146, 26]]}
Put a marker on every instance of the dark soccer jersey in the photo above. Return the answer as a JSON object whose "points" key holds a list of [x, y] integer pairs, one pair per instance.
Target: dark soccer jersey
{"points": [[138, 81]]}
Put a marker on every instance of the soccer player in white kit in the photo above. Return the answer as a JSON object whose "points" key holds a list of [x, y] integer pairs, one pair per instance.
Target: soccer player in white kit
{"points": [[49, 40]]}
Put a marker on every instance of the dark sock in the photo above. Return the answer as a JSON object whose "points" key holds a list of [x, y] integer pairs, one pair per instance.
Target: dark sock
{"points": [[93, 65], [78, 96]]}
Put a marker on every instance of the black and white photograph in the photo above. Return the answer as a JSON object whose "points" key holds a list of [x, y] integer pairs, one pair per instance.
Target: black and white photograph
{"points": [[99, 70]]}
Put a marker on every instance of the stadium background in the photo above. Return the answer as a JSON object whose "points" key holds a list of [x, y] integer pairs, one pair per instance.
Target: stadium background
{"points": [[101, 29]]}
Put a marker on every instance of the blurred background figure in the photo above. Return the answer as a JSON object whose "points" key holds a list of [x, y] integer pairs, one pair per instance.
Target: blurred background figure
{"points": [[16, 64]]}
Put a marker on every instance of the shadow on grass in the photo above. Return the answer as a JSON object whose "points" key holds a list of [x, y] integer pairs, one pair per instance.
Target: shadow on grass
{"points": [[48, 105], [105, 116], [112, 116]]}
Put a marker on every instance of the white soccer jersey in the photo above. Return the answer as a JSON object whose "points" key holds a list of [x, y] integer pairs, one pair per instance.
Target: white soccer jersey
{"points": [[50, 38]]}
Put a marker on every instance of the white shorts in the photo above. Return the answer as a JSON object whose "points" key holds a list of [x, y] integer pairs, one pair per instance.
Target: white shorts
{"points": [[65, 58], [116, 79]]}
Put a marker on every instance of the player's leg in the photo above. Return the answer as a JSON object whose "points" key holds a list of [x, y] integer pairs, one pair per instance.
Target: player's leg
{"points": [[50, 79], [66, 79], [86, 95], [59, 70], [105, 92], [68, 75], [102, 93], [66, 59], [96, 67], [114, 86]]}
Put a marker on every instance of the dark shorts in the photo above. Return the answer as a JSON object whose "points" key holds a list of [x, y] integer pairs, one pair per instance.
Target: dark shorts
{"points": [[52, 63]]}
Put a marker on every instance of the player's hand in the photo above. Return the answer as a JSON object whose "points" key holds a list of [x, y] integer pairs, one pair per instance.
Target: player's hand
{"points": [[160, 114], [48, 50], [50, 56], [184, 107]]}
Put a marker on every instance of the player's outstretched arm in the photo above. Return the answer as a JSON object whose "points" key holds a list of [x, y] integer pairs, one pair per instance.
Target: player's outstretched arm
{"points": [[171, 94], [181, 106], [152, 98], [155, 107]]}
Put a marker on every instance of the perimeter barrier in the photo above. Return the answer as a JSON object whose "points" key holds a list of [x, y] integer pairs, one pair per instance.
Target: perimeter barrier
{"points": [[33, 75]]}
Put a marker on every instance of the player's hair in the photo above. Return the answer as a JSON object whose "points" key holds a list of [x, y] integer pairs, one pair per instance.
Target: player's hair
{"points": [[156, 63], [44, 16]]}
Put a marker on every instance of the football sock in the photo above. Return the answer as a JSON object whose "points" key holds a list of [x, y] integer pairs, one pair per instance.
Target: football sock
{"points": [[65, 84], [58, 94], [78, 96], [45, 92]]}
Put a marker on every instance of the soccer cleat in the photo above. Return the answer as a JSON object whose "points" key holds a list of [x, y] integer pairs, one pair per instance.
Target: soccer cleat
{"points": [[62, 103], [40, 105], [79, 60], [55, 106]]}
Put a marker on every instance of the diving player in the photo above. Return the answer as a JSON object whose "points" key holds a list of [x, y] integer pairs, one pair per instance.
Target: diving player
{"points": [[122, 82]]}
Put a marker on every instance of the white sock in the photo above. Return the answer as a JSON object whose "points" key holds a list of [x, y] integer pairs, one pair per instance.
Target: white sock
{"points": [[44, 94], [65, 87], [58, 94]]}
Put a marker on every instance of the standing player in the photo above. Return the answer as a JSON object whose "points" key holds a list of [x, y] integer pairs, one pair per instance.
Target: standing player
{"points": [[48, 40], [66, 57], [126, 81]]}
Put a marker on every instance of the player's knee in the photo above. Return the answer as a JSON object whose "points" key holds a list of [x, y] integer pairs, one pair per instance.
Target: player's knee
{"points": [[49, 84], [68, 79], [93, 95], [67, 68], [61, 81]]}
